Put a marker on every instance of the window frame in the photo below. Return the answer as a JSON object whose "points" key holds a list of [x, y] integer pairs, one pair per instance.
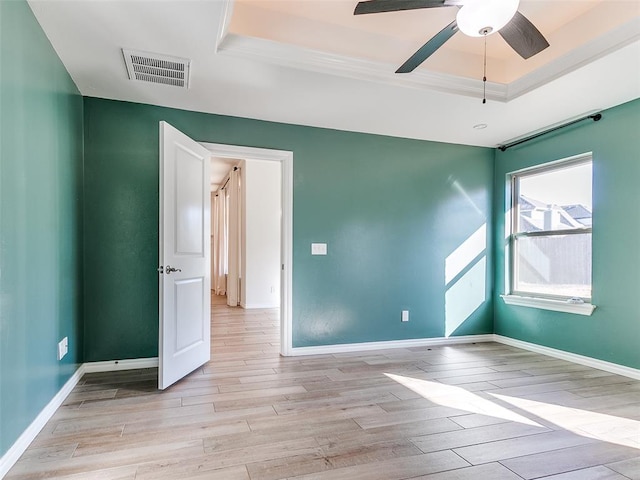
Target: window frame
{"points": [[535, 299]]}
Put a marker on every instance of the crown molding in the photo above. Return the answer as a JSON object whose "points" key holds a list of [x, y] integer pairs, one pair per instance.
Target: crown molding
{"points": [[296, 57], [292, 56], [225, 20], [591, 51]]}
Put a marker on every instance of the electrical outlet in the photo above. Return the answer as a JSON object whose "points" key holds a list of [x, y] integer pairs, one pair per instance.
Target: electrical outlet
{"points": [[405, 315], [63, 347]]}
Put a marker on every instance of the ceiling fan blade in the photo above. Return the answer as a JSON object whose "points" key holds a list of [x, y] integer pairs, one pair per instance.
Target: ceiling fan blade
{"points": [[429, 48], [378, 6], [523, 36]]}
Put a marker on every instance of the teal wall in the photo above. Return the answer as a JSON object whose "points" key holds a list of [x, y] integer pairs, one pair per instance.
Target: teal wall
{"points": [[40, 221], [612, 333], [391, 210], [79, 229]]}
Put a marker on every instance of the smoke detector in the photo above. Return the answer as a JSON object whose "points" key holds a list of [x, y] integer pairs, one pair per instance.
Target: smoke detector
{"points": [[157, 68]]}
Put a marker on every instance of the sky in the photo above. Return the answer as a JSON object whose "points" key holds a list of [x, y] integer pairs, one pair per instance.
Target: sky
{"points": [[571, 185]]}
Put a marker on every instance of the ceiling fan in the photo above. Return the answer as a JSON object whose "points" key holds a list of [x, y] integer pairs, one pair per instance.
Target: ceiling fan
{"points": [[476, 18]]}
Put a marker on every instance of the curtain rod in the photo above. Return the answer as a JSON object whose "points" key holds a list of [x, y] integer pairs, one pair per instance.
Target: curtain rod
{"points": [[235, 169], [595, 117]]}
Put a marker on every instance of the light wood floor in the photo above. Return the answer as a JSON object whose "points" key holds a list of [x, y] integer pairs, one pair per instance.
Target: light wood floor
{"points": [[477, 411]]}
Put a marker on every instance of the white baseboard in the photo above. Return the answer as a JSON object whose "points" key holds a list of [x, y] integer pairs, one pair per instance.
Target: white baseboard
{"points": [[427, 342], [571, 357], [17, 449], [115, 365], [415, 342], [9, 459], [251, 306]]}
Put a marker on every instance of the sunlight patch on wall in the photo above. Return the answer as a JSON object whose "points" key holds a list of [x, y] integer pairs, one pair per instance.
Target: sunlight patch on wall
{"points": [[462, 256], [465, 296], [600, 426], [465, 273], [455, 184], [459, 398]]}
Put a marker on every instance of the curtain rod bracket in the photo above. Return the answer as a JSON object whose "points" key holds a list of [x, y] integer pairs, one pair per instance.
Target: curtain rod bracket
{"points": [[595, 117]]}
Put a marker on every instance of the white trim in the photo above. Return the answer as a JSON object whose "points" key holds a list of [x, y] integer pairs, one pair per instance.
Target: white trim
{"points": [[571, 357], [9, 459], [286, 159], [549, 304], [438, 341], [252, 306], [414, 342], [116, 365], [293, 56], [12, 455], [572, 161], [225, 21], [579, 57], [286, 289], [247, 153]]}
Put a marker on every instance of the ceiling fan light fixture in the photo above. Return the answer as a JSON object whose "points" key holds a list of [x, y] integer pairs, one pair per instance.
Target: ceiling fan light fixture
{"points": [[479, 18]]}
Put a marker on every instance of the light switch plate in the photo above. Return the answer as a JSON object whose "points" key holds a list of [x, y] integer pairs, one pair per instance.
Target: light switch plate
{"points": [[63, 347], [318, 249]]}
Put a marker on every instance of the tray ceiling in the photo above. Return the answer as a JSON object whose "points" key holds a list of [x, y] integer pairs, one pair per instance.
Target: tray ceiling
{"points": [[311, 62]]}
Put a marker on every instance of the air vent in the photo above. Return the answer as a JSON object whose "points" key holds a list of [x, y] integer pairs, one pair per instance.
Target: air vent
{"points": [[156, 68]]}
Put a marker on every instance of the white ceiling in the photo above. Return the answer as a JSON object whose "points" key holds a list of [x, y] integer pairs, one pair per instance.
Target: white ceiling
{"points": [[220, 168], [391, 37], [246, 68]]}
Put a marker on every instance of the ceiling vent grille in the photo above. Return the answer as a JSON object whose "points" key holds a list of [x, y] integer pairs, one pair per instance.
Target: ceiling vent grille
{"points": [[156, 68]]}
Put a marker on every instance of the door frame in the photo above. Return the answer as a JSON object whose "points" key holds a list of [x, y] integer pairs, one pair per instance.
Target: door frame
{"points": [[286, 227]]}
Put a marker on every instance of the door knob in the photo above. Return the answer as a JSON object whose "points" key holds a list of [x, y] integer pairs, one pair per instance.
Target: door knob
{"points": [[170, 269]]}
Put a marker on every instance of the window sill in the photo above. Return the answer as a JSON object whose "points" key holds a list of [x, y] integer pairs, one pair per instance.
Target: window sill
{"points": [[548, 304]]}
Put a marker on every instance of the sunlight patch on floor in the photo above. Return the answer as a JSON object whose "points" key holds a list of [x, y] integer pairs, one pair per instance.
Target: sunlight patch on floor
{"points": [[459, 398], [600, 426]]}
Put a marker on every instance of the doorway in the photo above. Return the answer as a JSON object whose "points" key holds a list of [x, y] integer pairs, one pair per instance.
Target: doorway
{"points": [[256, 156]]}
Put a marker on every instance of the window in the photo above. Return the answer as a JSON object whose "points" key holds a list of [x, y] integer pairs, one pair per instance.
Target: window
{"points": [[550, 238]]}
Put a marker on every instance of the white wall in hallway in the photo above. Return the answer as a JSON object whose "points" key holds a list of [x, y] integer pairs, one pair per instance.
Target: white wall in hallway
{"points": [[261, 212]]}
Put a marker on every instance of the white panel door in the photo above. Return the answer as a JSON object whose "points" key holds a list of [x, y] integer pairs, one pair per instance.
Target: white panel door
{"points": [[185, 281]]}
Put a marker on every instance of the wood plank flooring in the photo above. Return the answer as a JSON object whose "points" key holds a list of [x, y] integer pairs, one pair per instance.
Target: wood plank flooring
{"points": [[476, 411]]}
